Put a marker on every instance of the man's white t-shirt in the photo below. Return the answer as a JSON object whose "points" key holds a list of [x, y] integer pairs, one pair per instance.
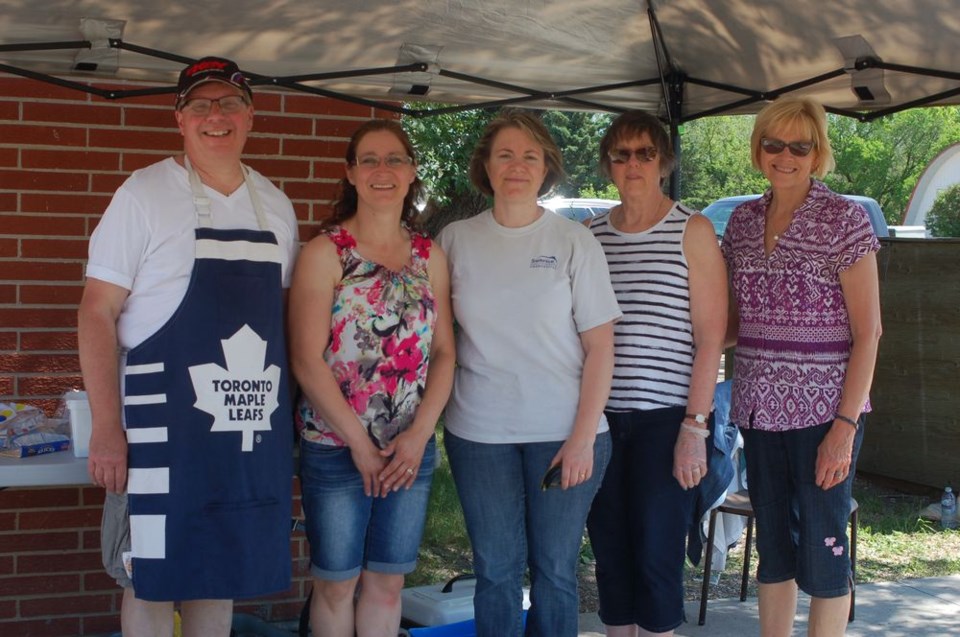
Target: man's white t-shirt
{"points": [[521, 298], [145, 240]]}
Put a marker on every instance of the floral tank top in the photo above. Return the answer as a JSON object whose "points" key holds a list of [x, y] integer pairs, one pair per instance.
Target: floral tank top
{"points": [[380, 333]]}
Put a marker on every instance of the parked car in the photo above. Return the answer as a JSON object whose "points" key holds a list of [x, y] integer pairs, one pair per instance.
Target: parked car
{"points": [[719, 212], [578, 209]]}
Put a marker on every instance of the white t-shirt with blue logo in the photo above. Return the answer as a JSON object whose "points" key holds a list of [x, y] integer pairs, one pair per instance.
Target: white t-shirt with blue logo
{"points": [[521, 298]]}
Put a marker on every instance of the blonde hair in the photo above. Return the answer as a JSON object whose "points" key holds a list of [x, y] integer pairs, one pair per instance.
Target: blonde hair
{"points": [[802, 113]]}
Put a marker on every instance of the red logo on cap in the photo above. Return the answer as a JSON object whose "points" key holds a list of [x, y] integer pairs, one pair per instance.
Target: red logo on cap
{"points": [[206, 66]]}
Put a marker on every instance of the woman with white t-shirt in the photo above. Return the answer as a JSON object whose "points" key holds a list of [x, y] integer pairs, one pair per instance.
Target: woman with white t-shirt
{"points": [[532, 297]]}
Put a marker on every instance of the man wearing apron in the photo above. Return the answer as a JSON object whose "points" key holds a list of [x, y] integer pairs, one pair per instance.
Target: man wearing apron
{"points": [[192, 429]]}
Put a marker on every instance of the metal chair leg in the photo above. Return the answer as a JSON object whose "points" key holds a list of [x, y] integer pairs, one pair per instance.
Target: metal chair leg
{"points": [[746, 560], [854, 522], [707, 565]]}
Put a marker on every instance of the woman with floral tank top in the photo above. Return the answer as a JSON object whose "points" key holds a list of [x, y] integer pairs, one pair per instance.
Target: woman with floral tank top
{"points": [[806, 322], [371, 339]]}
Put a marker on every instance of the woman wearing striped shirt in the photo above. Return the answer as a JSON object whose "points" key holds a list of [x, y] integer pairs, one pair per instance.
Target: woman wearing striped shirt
{"points": [[670, 282]]}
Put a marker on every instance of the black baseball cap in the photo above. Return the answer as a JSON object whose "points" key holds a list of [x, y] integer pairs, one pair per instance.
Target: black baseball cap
{"points": [[210, 69]]}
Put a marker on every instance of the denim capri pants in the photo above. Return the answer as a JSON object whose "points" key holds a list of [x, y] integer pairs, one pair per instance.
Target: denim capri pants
{"points": [[348, 530], [801, 529]]}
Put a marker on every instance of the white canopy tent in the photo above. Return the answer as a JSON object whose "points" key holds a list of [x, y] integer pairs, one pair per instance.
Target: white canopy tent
{"points": [[682, 59]]}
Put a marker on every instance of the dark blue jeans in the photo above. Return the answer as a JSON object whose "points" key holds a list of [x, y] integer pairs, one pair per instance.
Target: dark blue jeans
{"points": [[801, 529], [512, 523], [639, 521]]}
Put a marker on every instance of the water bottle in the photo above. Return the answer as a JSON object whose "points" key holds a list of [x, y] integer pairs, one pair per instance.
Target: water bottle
{"points": [[948, 509]]}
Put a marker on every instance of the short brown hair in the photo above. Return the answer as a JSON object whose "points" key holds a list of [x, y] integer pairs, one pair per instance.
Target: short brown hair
{"points": [[634, 124], [532, 126], [802, 112]]}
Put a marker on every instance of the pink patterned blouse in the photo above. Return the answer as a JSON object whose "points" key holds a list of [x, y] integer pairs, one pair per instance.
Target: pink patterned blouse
{"points": [[794, 339], [380, 335]]}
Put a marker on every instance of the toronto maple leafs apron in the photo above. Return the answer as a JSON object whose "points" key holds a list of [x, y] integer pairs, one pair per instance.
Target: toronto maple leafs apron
{"points": [[209, 428]]}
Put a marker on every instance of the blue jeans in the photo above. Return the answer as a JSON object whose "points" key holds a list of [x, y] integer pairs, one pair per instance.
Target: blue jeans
{"points": [[512, 523], [349, 530], [801, 529]]}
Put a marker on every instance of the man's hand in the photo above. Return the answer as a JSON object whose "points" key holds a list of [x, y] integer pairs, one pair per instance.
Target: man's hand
{"points": [[97, 334], [107, 463]]}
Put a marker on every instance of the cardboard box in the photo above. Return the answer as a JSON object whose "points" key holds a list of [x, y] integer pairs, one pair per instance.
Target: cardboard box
{"points": [[35, 444]]}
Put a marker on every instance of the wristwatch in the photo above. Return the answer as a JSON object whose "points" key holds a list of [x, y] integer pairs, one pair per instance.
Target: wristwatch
{"points": [[700, 419]]}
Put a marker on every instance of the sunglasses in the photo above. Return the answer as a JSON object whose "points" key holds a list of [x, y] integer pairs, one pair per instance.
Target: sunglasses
{"points": [[776, 146], [622, 155]]}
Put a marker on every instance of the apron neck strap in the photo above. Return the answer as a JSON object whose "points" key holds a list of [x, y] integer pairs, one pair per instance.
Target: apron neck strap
{"points": [[201, 202]]}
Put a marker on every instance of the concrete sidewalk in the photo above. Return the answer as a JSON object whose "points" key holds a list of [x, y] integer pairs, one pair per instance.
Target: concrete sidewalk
{"points": [[911, 608]]}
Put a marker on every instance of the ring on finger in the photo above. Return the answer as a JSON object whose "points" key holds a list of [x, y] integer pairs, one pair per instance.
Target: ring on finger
{"points": [[409, 471]]}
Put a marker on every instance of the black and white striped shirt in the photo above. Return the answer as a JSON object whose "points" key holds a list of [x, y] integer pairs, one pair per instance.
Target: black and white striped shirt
{"points": [[653, 342]]}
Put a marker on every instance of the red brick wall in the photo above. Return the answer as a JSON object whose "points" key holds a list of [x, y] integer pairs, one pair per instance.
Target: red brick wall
{"points": [[62, 154]]}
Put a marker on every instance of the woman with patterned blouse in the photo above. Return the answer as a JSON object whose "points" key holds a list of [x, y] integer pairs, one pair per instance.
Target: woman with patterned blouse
{"points": [[371, 340], [806, 322]]}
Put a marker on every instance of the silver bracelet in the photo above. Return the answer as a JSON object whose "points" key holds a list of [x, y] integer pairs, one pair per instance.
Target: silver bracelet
{"points": [[703, 433]]}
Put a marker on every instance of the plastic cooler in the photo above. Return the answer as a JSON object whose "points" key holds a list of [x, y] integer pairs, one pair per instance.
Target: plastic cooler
{"points": [[444, 604], [460, 629]]}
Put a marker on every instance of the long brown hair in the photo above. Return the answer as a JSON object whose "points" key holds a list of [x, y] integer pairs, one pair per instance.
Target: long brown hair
{"points": [[345, 206]]}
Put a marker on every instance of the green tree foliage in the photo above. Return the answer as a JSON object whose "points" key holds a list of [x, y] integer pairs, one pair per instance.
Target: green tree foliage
{"points": [[609, 191], [943, 219], [884, 158], [715, 160], [578, 136], [444, 143]]}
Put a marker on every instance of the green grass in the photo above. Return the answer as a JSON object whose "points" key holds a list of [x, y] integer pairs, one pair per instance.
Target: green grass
{"points": [[445, 549], [894, 542]]}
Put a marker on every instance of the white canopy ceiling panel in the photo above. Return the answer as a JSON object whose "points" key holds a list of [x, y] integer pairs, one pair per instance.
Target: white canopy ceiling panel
{"points": [[721, 56]]}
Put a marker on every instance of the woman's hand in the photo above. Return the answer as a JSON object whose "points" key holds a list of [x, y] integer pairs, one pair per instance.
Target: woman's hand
{"points": [[576, 459], [366, 458], [402, 457], [834, 455], [689, 459]]}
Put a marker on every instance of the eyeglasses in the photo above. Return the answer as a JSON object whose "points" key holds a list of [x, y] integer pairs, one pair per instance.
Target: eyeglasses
{"points": [[228, 105], [390, 161], [622, 155], [775, 147]]}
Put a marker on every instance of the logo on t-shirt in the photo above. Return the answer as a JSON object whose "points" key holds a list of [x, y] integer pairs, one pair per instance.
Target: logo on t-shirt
{"points": [[549, 263]]}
